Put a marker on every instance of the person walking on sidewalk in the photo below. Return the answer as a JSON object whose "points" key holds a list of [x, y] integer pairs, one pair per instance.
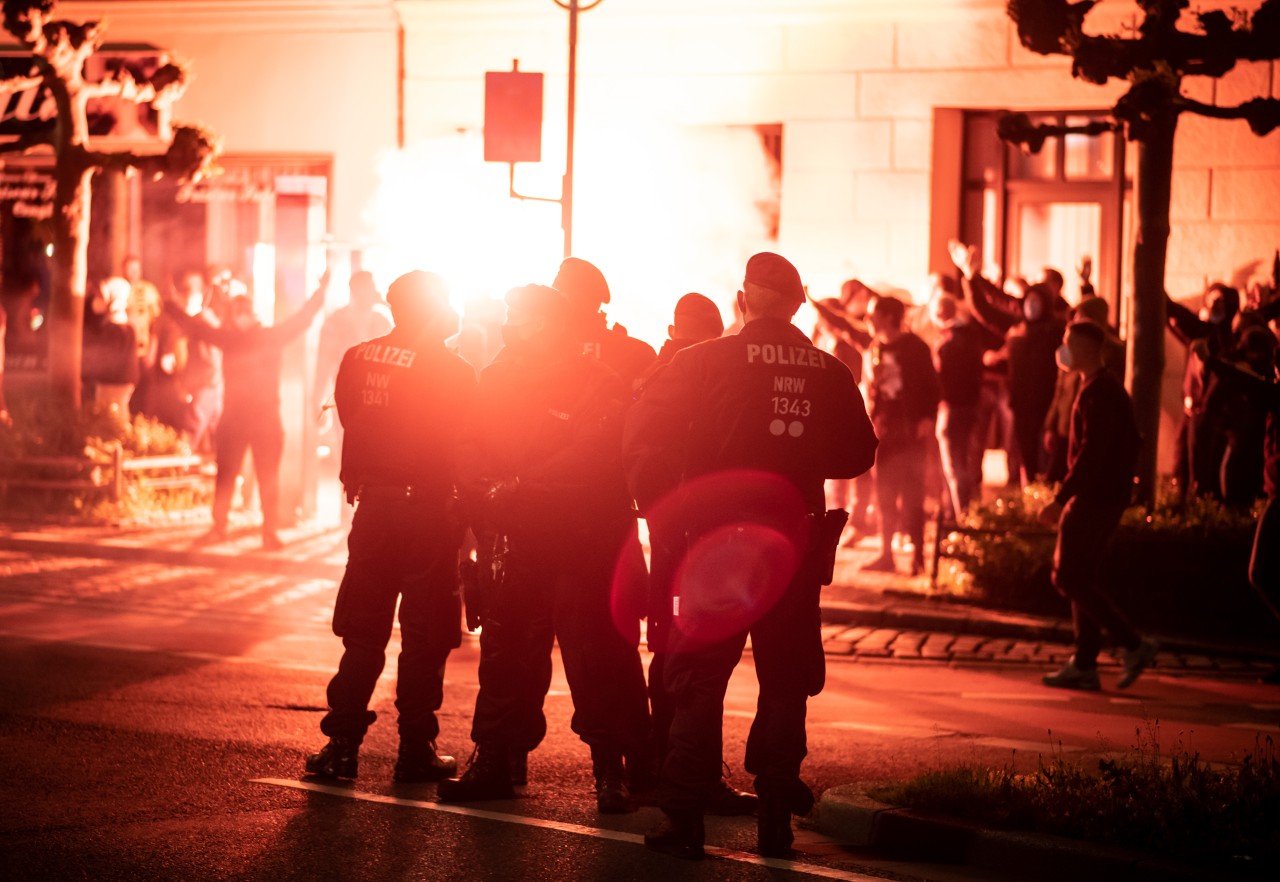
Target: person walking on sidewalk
{"points": [[1102, 454], [399, 398], [735, 439]]}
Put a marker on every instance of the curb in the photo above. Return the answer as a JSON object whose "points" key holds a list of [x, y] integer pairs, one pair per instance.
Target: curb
{"points": [[999, 625], [848, 814]]}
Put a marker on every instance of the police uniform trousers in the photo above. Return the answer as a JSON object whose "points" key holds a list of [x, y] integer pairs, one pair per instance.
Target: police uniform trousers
{"points": [[405, 548], [1085, 532], [786, 643], [553, 591]]}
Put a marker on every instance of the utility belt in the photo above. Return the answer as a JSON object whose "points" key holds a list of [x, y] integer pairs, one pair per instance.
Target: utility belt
{"points": [[415, 492]]}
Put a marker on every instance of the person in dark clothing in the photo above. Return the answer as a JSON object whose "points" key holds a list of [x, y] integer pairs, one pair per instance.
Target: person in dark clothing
{"points": [[958, 357], [1057, 422], [841, 330], [1099, 484], [399, 398], [1201, 440], [1030, 341], [729, 446], [1243, 418], [697, 319], [541, 474], [251, 402], [1263, 390], [586, 290], [902, 399], [109, 366]]}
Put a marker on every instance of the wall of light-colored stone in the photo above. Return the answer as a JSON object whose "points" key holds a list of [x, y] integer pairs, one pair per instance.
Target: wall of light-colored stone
{"points": [[855, 85]]}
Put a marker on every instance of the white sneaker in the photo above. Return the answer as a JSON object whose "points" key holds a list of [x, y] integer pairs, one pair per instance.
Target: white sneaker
{"points": [[1136, 661], [1071, 677]]}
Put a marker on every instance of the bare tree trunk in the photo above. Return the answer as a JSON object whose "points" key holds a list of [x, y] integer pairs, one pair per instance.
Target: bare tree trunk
{"points": [[1146, 343], [66, 297]]}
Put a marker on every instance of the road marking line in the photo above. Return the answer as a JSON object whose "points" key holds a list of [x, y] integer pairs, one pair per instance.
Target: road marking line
{"points": [[905, 731], [1015, 744], [1014, 696], [563, 827]]}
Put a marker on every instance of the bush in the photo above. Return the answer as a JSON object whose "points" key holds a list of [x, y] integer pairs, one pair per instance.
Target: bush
{"points": [[1164, 562], [84, 442], [1176, 805]]}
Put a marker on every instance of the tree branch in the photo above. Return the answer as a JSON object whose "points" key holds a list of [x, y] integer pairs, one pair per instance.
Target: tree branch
{"points": [[1016, 128], [1262, 114], [163, 87], [13, 85]]}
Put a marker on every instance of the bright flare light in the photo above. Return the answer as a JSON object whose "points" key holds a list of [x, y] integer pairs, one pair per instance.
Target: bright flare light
{"points": [[661, 210]]}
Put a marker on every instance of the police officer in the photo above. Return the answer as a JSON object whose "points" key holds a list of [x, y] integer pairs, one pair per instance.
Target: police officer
{"points": [[400, 399], [587, 291], [696, 320], [735, 438], [540, 459]]}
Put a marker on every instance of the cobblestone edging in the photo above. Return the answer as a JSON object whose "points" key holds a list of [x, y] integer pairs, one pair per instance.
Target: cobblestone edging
{"points": [[870, 633], [848, 814]]}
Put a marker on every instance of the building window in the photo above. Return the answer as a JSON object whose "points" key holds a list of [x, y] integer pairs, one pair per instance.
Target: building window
{"points": [[1051, 209]]}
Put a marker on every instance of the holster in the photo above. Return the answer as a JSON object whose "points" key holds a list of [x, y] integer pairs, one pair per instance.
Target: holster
{"points": [[824, 541], [485, 575]]}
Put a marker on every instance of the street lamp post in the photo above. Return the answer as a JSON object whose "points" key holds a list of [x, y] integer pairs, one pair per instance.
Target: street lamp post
{"points": [[566, 187]]}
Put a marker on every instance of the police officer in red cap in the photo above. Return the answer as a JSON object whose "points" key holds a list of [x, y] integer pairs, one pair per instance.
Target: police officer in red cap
{"points": [[731, 444], [585, 287], [400, 399], [540, 465]]}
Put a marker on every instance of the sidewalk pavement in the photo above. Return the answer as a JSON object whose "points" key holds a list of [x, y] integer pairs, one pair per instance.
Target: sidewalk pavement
{"points": [[866, 616], [871, 616]]}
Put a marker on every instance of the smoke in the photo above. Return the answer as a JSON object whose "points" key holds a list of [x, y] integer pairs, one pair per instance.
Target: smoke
{"points": [[662, 210]]}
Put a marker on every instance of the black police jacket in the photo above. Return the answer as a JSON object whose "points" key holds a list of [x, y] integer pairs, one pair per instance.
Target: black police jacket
{"points": [[401, 401], [765, 399], [540, 449], [627, 356]]}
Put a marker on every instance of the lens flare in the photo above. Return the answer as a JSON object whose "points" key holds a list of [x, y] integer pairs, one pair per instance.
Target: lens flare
{"points": [[737, 539]]}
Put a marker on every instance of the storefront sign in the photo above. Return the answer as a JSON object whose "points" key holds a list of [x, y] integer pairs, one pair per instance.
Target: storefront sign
{"points": [[27, 192]]}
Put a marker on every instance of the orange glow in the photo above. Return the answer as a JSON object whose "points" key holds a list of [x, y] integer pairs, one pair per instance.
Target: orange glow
{"points": [[662, 211]]}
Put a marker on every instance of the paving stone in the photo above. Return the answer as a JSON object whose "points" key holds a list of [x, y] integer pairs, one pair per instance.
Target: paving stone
{"points": [[907, 644], [937, 646], [876, 644]]}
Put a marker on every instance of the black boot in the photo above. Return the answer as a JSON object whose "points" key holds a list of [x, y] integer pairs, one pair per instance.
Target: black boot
{"points": [[338, 759], [488, 777], [641, 773], [680, 835], [773, 829], [612, 797], [419, 762], [729, 802], [518, 761]]}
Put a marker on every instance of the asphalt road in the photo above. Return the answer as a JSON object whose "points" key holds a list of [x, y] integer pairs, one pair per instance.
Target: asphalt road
{"points": [[154, 715]]}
